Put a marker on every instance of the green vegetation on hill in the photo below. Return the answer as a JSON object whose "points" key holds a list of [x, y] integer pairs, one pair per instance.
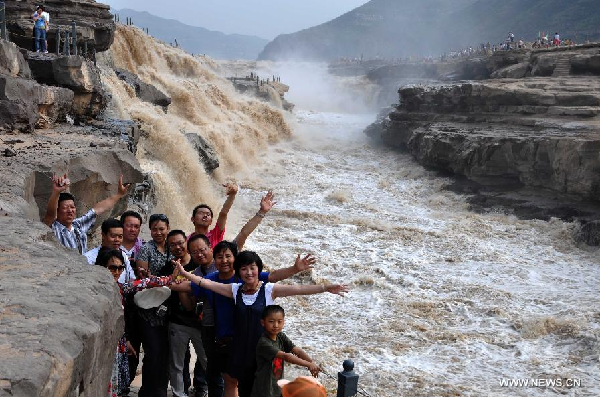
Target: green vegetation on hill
{"points": [[195, 39], [398, 28]]}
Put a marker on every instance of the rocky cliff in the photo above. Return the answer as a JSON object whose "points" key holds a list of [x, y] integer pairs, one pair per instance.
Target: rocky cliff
{"points": [[60, 319], [94, 22], [540, 131]]}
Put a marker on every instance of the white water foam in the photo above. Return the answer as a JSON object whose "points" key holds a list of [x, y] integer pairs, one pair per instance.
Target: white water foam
{"points": [[444, 302]]}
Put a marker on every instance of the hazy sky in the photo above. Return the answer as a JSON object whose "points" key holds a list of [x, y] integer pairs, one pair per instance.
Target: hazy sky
{"points": [[264, 18]]}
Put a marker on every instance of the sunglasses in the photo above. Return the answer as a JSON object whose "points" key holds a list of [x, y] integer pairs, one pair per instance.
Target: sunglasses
{"points": [[114, 268]]}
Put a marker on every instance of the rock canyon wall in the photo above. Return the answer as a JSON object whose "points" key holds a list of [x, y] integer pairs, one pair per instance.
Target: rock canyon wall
{"points": [[532, 121]]}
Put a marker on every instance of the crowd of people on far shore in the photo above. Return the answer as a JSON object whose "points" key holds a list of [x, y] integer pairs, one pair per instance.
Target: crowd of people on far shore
{"points": [[180, 288], [510, 43]]}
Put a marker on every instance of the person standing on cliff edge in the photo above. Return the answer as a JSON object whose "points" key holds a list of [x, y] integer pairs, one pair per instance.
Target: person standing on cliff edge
{"points": [[60, 213], [41, 20]]}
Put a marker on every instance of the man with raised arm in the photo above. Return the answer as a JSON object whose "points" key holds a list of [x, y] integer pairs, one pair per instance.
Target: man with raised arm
{"points": [[61, 211], [202, 217]]}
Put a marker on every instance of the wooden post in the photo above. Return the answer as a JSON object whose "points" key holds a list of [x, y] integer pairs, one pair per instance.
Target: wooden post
{"points": [[58, 41], [66, 43]]}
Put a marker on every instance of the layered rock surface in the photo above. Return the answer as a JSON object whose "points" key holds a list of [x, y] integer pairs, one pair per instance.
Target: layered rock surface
{"points": [[24, 103], [94, 22], [542, 133], [527, 144]]}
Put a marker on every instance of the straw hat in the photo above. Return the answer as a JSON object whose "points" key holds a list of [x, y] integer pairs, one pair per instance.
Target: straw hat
{"points": [[152, 297], [303, 386]]}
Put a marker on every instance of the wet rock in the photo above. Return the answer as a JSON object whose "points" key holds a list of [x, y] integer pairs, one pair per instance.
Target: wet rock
{"points": [[11, 61], [75, 73], [27, 102], [17, 116], [146, 92], [95, 24], [536, 132], [206, 152], [589, 233], [517, 71], [586, 64], [8, 152], [543, 65]]}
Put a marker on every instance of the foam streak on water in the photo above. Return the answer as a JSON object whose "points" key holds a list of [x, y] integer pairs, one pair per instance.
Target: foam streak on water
{"points": [[444, 302]]}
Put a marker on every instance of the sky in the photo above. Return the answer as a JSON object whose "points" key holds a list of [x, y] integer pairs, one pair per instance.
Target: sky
{"points": [[263, 18]]}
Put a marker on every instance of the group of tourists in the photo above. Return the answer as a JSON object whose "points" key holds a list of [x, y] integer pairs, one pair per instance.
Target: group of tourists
{"points": [[179, 288]]}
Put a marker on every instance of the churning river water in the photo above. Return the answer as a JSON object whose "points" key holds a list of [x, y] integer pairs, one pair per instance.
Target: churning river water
{"points": [[443, 301]]}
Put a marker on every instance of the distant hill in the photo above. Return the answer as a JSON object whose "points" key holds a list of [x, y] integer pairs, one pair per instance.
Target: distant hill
{"points": [[398, 28], [195, 39]]}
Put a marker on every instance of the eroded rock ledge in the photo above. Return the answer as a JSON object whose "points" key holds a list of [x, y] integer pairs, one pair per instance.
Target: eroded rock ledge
{"points": [[507, 134]]}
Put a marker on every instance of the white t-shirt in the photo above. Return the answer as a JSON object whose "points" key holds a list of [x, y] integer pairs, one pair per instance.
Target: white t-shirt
{"points": [[127, 275], [250, 299]]}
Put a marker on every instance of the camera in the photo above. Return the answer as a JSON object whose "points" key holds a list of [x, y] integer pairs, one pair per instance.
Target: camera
{"points": [[161, 311]]}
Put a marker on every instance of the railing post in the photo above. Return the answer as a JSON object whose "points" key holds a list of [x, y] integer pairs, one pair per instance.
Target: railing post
{"points": [[3, 20], [66, 45], [347, 380], [57, 41], [74, 36]]}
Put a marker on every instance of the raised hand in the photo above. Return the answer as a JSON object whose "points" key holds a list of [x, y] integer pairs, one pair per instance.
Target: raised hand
{"points": [[306, 263], [60, 183], [176, 263], [267, 202], [338, 289], [230, 188], [181, 271], [123, 188]]}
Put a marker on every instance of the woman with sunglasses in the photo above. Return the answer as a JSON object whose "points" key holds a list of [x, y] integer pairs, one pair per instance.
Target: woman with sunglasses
{"points": [[250, 297], [113, 260]]}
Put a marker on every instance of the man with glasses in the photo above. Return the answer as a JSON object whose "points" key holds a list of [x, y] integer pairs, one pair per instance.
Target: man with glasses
{"points": [[60, 213], [112, 236], [184, 325], [202, 217]]}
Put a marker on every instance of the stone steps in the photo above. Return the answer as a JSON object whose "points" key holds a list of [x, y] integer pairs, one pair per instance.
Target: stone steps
{"points": [[563, 67]]}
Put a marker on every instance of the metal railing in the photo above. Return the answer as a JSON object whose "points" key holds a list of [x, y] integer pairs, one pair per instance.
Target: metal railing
{"points": [[3, 31]]}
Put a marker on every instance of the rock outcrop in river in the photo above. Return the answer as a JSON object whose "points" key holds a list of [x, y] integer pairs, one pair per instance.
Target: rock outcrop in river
{"points": [[538, 131]]}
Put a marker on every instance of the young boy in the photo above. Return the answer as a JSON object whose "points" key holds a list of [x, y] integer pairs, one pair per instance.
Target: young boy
{"points": [[273, 348]]}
